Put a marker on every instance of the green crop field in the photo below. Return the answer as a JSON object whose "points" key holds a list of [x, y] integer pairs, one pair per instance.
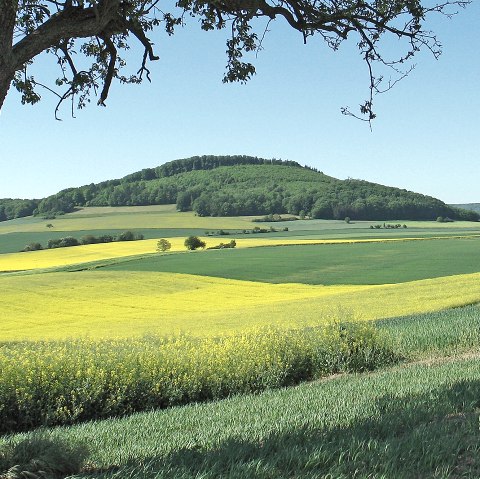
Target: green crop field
{"points": [[356, 263]]}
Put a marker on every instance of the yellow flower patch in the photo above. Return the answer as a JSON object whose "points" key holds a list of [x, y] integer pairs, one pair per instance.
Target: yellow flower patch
{"points": [[121, 304]]}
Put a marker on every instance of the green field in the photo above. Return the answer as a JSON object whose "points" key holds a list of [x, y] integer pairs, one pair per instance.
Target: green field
{"points": [[357, 263]]}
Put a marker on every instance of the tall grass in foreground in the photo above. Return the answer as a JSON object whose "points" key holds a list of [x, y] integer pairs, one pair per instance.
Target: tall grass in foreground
{"points": [[46, 383], [415, 421], [448, 332]]}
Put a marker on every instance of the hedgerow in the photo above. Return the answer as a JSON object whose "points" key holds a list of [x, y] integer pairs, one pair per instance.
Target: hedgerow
{"points": [[53, 383]]}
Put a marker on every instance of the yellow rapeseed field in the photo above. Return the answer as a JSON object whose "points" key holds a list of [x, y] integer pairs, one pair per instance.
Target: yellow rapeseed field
{"points": [[51, 258], [120, 304], [59, 257]]}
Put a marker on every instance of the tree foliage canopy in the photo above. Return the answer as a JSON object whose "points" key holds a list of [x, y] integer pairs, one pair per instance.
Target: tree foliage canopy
{"points": [[88, 37], [243, 185]]}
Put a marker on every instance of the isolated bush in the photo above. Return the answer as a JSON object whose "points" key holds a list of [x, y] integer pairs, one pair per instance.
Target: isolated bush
{"points": [[163, 245], [194, 242], [347, 219]]}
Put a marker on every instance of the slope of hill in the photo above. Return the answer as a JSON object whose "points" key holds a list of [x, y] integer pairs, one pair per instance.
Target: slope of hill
{"points": [[468, 206], [242, 185]]}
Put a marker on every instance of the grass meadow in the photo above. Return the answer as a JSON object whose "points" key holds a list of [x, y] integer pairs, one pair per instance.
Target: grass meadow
{"points": [[349, 353]]}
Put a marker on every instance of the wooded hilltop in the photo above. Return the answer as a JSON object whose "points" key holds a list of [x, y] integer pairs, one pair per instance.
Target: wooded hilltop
{"points": [[244, 185]]}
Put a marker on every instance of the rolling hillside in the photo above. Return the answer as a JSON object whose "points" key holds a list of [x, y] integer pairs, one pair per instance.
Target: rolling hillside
{"points": [[469, 206], [242, 185]]}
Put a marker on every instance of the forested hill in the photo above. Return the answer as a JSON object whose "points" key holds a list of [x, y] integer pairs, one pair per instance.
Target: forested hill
{"points": [[469, 206], [243, 185]]}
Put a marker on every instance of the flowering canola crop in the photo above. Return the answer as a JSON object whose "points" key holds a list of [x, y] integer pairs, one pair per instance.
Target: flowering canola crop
{"points": [[121, 304]]}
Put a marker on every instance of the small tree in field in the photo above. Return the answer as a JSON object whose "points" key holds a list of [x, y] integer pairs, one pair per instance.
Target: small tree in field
{"points": [[194, 242], [163, 245]]}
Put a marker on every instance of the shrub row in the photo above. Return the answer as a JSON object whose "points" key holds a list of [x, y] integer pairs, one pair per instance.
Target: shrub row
{"points": [[273, 218], [45, 383], [231, 244], [87, 239], [388, 226], [255, 230]]}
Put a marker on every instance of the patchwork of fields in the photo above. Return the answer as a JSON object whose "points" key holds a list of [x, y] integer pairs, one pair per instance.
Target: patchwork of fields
{"points": [[218, 318], [126, 289]]}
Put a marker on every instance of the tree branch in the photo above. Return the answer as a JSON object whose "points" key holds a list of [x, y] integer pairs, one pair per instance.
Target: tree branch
{"points": [[74, 22], [111, 69]]}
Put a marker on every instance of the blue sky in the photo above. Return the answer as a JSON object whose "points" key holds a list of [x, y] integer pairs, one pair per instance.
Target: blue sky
{"points": [[426, 137]]}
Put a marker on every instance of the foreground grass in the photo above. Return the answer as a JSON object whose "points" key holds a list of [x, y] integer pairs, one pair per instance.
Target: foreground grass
{"points": [[127, 304], [432, 335], [415, 421]]}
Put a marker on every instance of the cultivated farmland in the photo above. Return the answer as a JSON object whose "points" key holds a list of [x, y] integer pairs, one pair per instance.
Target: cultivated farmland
{"points": [[104, 330]]}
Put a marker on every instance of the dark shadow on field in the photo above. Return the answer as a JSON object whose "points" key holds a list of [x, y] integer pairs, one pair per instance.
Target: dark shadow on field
{"points": [[434, 435], [41, 457]]}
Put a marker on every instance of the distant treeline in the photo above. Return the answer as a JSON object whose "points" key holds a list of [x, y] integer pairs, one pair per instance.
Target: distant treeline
{"points": [[16, 208], [243, 185], [469, 206]]}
